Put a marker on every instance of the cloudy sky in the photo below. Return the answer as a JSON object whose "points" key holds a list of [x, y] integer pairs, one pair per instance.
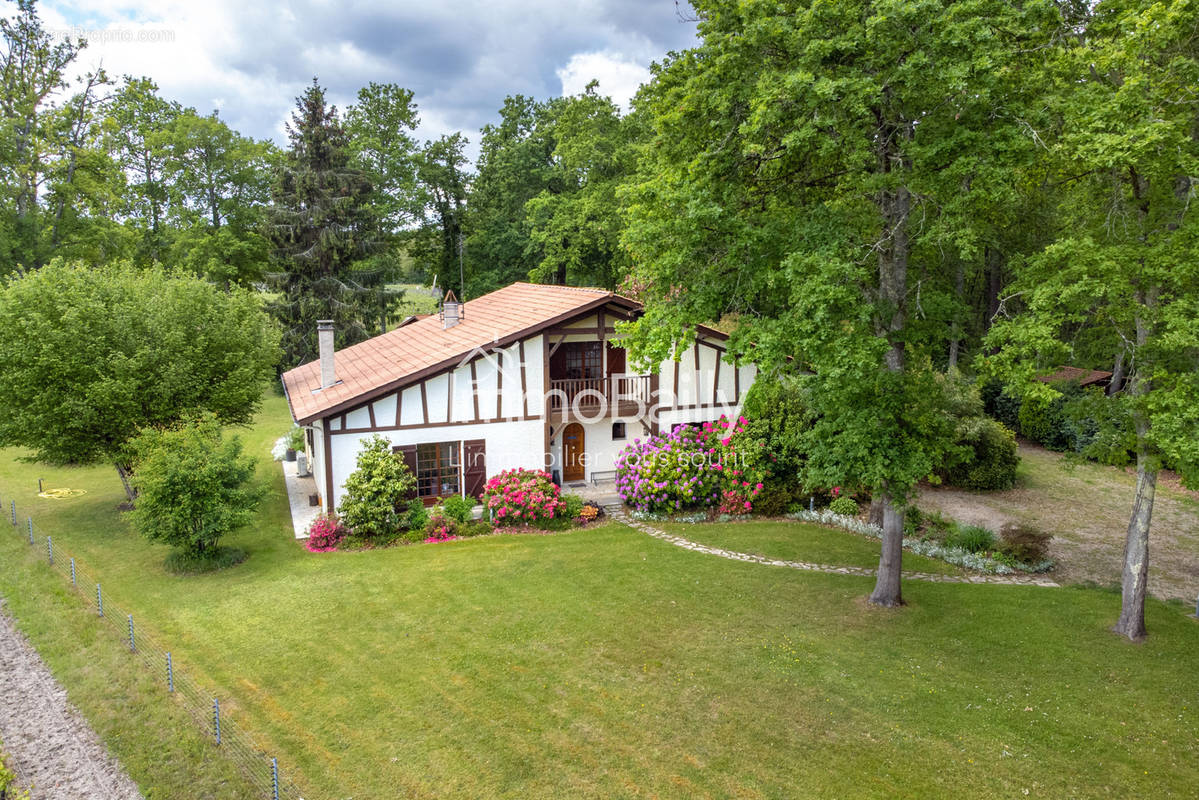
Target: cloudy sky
{"points": [[250, 58]]}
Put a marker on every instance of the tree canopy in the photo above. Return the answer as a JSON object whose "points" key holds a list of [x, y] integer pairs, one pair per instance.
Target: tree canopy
{"points": [[90, 356]]}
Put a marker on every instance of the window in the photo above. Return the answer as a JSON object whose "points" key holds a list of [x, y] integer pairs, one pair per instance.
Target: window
{"points": [[437, 469], [584, 360], [618, 430]]}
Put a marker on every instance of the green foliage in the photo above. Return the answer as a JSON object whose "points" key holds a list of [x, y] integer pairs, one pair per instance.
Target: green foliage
{"points": [[443, 170], [295, 438], [844, 505], [971, 538], [572, 506], [90, 356], [187, 562], [1042, 420], [992, 456], [374, 491], [459, 508], [415, 517], [194, 486], [321, 227], [778, 418], [8, 782]]}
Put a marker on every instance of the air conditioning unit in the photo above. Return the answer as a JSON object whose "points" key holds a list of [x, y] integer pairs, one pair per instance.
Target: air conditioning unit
{"points": [[302, 469]]}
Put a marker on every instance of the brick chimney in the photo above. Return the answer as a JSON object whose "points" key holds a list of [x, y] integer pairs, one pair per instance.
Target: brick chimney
{"points": [[324, 338]]}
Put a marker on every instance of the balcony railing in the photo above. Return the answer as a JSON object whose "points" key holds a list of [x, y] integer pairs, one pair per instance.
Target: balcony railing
{"points": [[612, 396]]}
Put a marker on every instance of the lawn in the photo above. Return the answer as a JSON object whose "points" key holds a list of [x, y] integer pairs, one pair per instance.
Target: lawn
{"points": [[800, 541], [605, 663]]}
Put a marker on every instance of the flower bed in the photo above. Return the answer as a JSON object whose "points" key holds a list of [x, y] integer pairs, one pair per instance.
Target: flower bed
{"points": [[521, 497], [711, 466]]}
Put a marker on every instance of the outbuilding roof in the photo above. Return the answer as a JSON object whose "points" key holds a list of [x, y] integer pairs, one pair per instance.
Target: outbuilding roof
{"points": [[424, 347], [1084, 377]]}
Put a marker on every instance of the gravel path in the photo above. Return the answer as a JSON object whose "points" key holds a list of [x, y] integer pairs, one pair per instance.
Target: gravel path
{"points": [[52, 748]]}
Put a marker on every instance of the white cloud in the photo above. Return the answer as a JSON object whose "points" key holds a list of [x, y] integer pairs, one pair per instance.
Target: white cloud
{"points": [[619, 77]]}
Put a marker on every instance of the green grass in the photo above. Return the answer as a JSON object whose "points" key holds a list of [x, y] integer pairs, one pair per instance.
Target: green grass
{"points": [[800, 541], [605, 663], [412, 302]]}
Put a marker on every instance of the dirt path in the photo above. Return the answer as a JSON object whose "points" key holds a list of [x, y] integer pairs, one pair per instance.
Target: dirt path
{"points": [[1086, 508], [52, 748]]}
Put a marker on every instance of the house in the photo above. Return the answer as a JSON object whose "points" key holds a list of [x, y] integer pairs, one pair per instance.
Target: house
{"points": [[527, 376], [1084, 377]]}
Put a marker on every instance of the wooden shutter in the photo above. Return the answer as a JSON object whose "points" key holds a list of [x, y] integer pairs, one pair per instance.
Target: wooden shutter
{"points": [[474, 466], [558, 363], [616, 360], [409, 453]]}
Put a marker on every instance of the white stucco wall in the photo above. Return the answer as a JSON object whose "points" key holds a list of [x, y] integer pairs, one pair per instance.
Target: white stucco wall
{"points": [[509, 445], [600, 447]]}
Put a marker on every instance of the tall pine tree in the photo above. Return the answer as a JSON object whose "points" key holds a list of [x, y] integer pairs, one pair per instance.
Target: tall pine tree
{"points": [[321, 227]]}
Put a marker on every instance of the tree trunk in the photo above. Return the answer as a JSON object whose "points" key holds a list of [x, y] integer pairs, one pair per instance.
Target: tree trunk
{"points": [[1136, 554], [125, 473], [1135, 576], [959, 288], [1117, 374], [892, 289], [994, 265], [886, 588]]}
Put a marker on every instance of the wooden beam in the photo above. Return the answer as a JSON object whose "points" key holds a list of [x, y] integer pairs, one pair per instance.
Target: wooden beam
{"points": [[474, 387], [524, 379], [424, 403]]}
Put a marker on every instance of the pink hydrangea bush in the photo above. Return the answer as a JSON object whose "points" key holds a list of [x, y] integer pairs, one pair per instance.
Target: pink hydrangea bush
{"points": [[713, 466], [521, 497], [324, 534]]}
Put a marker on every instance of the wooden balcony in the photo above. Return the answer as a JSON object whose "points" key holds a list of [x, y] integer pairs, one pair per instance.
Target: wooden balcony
{"points": [[614, 396]]}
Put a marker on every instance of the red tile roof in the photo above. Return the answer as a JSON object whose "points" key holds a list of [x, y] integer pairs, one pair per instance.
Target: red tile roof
{"points": [[423, 347], [1085, 377]]}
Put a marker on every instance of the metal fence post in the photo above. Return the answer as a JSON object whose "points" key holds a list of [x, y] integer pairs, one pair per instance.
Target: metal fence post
{"points": [[274, 779], [14, 513], [30, 526], [50, 550], [99, 600], [39, 486], [73, 571], [216, 719], [170, 675], [132, 646]]}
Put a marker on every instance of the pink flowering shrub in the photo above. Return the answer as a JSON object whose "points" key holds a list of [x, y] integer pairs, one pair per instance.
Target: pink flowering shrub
{"points": [[713, 466], [324, 534], [441, 527], [522, 497]]}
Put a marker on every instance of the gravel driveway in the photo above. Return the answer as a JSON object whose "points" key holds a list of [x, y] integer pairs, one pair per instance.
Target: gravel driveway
{"points": [[52, 748]]}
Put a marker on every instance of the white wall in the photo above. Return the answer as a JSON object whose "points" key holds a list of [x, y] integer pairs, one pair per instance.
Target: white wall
{"points": [[509, 445], [600, 447]]}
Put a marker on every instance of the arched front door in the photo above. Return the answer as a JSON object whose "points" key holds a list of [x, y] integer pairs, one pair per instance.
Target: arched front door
{"points": [[572, 452]]}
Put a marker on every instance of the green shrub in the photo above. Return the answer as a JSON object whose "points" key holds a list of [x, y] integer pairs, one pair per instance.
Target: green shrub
{"points": [[1101, 427], [8, 782], [991, 456], [194, 486], [1000, 403], [778, 498], [441, 526], [572, 506], [475, 527], [971, 538], [1042, 420], [185, 562], [1024, 543], [375, 490], [845, 506], [295, 438], [416, 516], [458, 507]]}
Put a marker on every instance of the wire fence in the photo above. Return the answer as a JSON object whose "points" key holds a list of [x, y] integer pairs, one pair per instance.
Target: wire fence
{"points": [[259, 768]]}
